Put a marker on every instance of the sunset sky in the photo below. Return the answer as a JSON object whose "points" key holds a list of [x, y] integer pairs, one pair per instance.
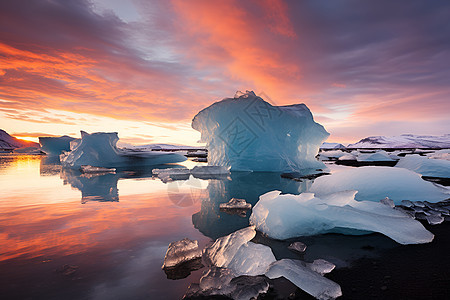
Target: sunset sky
{"points": [[145, 68]]}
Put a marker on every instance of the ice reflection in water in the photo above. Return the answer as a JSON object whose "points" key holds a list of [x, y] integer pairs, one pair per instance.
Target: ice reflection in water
{"points": [[117, 243]]}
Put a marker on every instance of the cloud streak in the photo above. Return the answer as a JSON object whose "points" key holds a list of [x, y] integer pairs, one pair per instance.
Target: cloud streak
{"points": [[352, 63]]}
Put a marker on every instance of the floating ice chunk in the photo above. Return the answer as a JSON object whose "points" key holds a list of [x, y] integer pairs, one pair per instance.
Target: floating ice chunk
{"points": [[29, 150], [55, 145], [305, 278], [440, 154], [235, 203], [287, 216], [377, 156], [91, 169], [388, 202], [252, 259], [225, 248], [326, 155], [170, 174], [297, 246], [247, 133], [375, 183], [434, 219], [222, 281], [235, 252], [99, 149], [425, 166], [347, 157], [180, 252], [407, 203], [321, 266], [210, 172]]}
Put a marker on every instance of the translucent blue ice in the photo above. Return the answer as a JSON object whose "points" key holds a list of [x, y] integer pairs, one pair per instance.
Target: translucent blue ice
{"points": [[248, 133]]}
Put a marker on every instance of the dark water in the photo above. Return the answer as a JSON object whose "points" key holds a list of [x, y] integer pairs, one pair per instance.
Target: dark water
{"points": [[64, 235]]}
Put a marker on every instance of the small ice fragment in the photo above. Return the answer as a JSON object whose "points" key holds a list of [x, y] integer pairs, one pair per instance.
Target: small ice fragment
{"points": [[180, 252], [216, 278], [91, 169], [388, 202], [223, 282], [407, 203], [434, 219], [306, 279], [235, 203], [419, 204], [408, 213], [297, 246], [321, 266]]}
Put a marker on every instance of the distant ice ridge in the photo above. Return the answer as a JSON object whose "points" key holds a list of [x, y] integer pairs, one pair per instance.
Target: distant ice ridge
{"points": [[55, 145], [404, 141], [326, 145], [376, 183], [247, 133], [287, 216], [425, 166], [100, 150]]}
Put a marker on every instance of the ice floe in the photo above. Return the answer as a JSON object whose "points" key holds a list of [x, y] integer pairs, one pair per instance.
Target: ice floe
{"points": [[438, 168], [287, 216], [376, 183]]}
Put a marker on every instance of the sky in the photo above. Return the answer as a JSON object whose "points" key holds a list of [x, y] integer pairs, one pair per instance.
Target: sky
{"points": [[145, 68]]}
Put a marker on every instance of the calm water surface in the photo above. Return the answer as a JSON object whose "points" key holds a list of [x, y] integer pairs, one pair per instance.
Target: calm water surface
{"points": [[64, 235]]}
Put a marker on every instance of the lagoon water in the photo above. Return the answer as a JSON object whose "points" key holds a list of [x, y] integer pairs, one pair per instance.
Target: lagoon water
{"points": [[65, 235]]}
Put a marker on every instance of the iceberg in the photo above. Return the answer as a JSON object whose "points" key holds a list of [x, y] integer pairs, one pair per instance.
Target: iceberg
{"points": [[236, 252], [437, 168], [286, 216], [55, 145], [297, 247], [376, 183], [305, 278], [100, 150], [247, 133]]}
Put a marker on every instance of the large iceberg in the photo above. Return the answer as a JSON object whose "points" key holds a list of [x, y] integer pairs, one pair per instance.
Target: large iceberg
{"points": [[100, 150], [376, 183], [287, 216], [425, 166], [248, 133], [55, 145]]}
